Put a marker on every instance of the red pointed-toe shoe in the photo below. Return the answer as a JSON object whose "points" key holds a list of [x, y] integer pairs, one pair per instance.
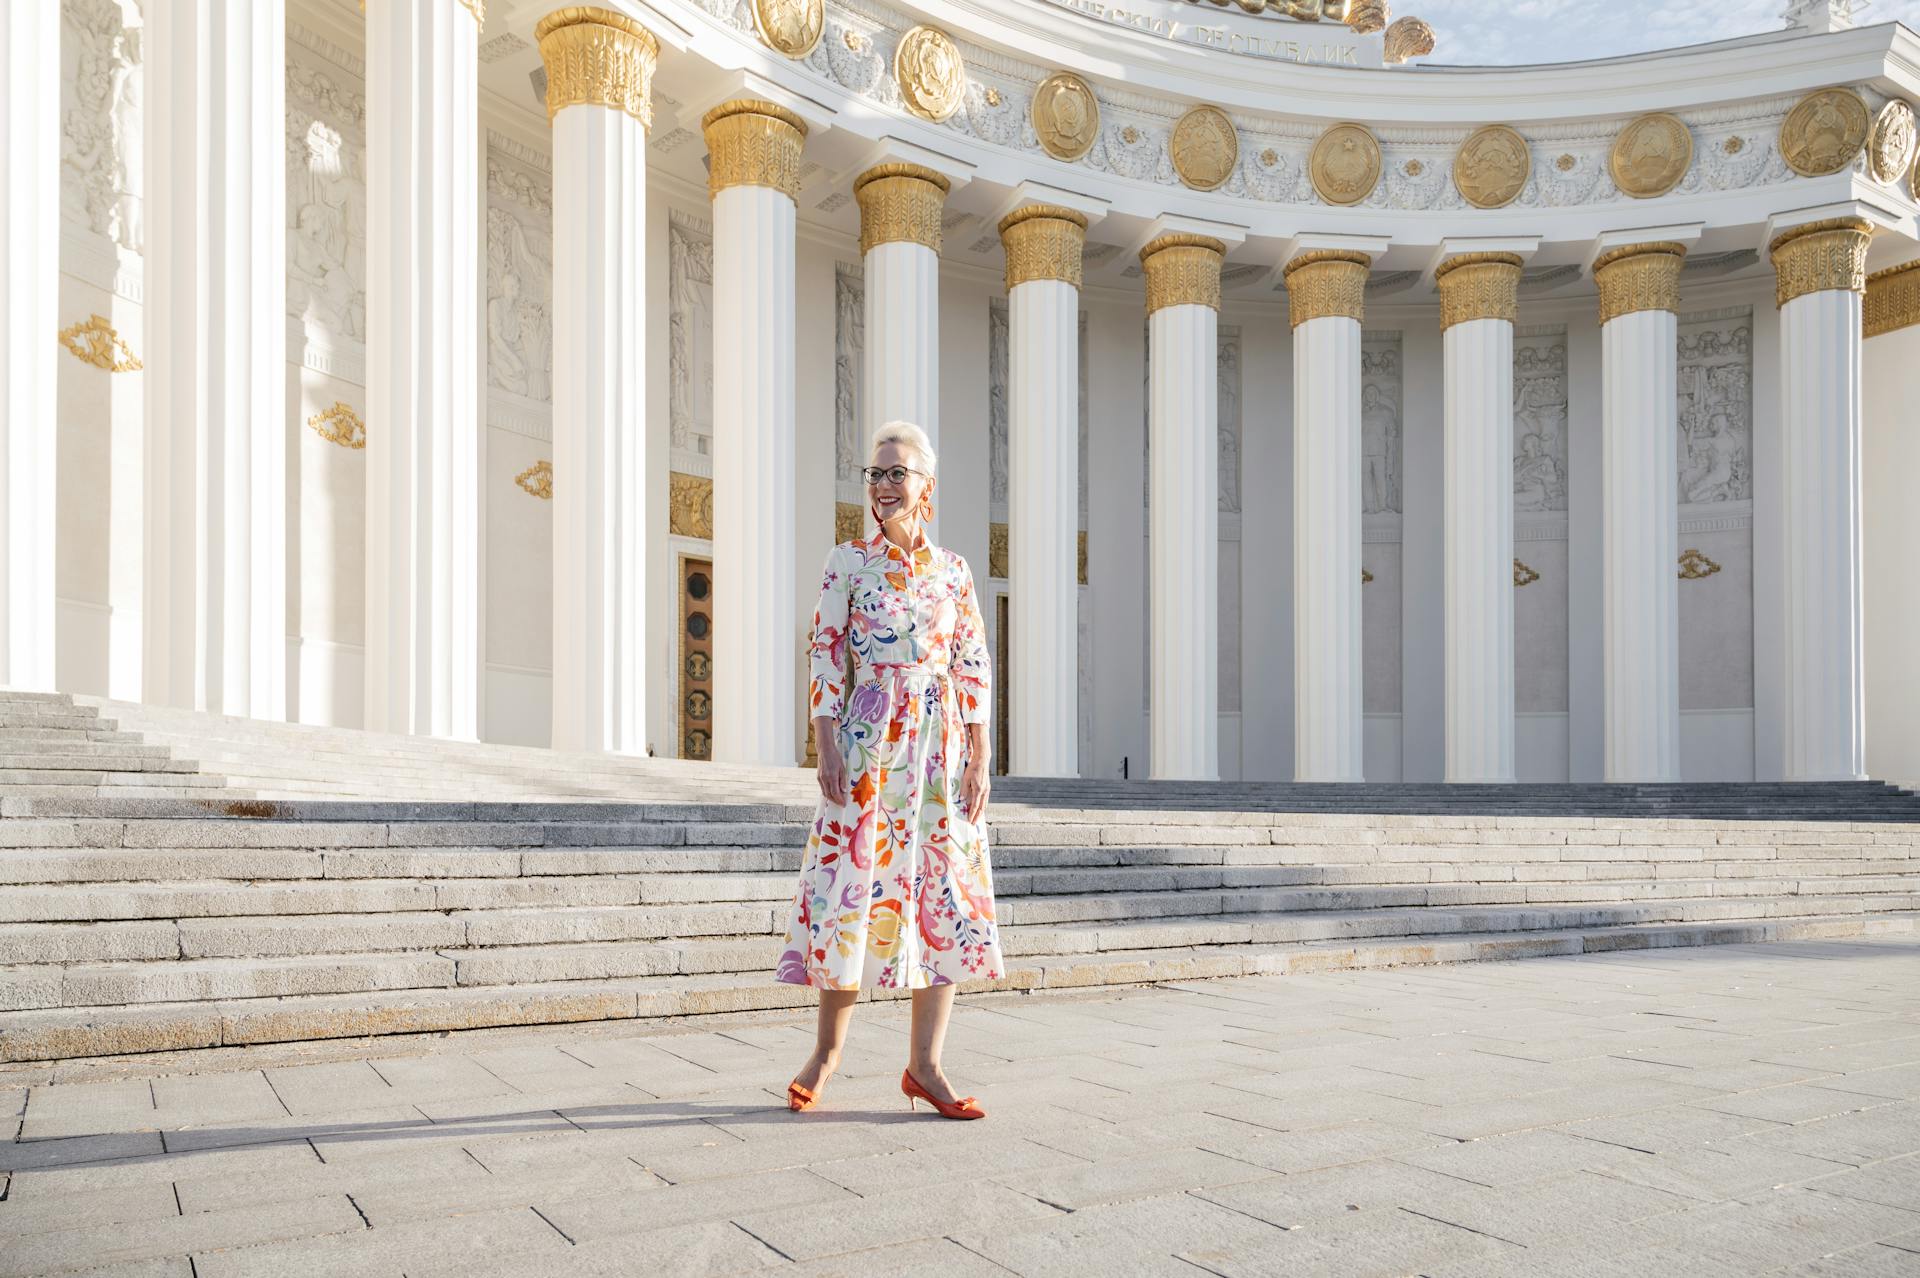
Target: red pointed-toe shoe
{"points": [[799, 1098], [965, 1107]]}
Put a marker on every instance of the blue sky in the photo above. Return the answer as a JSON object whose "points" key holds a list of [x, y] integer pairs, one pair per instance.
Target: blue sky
{"points": [[1496, 32]]}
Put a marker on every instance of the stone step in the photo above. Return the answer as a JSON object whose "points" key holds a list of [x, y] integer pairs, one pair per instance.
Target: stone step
{"points": [[98, 1031]]}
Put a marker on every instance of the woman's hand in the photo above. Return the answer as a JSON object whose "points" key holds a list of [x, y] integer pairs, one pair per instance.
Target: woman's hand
{"points": [[974, 785], [832, 773]]}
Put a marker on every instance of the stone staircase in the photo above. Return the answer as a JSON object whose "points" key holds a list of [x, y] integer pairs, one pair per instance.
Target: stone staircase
{"points": [[162, 886]]}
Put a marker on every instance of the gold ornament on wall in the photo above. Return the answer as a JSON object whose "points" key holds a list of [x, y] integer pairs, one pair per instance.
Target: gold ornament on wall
{"points": [[1639, 277], [1345, 164], [900, 204], [1183, 270], [1366, 577], [94, 341], [1043, 242], [792, 27], [1491, 168], [1407, 38], [849, 522], [1694, 566], [1651, 155], [1893, 299], [1204, 148], [931, 75], [1327, 283], [1066, 116], [340, 425], [1828, 255], [1523, 575], [595, 57], [1890, 149], [1368, 16], [997, 551], [690, 505], [1475, 286], [1824, 131], [537, 479], [753, 143], [1082, 568]]}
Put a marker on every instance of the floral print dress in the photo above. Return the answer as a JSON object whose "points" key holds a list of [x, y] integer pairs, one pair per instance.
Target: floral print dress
{"points": [[896, 889]]}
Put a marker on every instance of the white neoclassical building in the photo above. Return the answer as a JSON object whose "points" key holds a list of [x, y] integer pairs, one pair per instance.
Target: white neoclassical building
{"points": [[1306, 408]]}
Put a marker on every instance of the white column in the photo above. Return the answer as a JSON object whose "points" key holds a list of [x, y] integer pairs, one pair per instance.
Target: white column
{"points": [[1043, 244], [423, 409], [1821, 268], [754, 176], [215, 381], [1478, 298], [29, 318], [1326, 290], [900, 209], [1639, 517], [1183, 534], [599, 83]]}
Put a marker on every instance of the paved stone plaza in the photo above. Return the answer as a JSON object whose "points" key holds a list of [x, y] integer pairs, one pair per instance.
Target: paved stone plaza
{"points": [[1735, 1110]]}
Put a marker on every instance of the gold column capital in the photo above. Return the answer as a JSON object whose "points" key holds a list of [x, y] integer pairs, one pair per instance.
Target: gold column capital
{"points": [[1324, 283], [753, 143], [900, 203], [596, 57], [1043, 242], [1639, 277], [1475, 286], [1828, 254], [1893, 299], [1183, 270]]}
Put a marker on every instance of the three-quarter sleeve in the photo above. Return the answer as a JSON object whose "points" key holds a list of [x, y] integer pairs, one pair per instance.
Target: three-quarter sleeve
{"points": [[972, 665], [827, 649]]}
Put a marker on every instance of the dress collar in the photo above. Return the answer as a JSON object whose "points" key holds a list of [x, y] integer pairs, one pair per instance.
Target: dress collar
{"points": [[922, 548]]}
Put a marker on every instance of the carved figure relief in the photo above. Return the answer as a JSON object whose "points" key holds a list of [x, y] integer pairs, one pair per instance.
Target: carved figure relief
{"points": [[689, 336], [1228, 364], [519, 276], [1380, 424], [1204, 148], [849, 364], [326, 195], [1540, 422], [101, 124], [1716, 409], [999, 421], [1823, 133], [1066, 116]]}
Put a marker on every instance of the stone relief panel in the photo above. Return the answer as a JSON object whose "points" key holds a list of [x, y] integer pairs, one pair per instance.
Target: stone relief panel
{"points": [[326, 188], [849, 364], [101, 120], [519, 270], [689, 335], [1540, 419], [1381, 367], [999, 329], [1716, 407], [1227, 362]]}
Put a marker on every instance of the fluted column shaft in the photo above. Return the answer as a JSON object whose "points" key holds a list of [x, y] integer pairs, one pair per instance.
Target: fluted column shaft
{"points": [[1821, 269], [423, 412], [755, 150], [599, 81], [1043, 244], [1478, 300], [29, 317], [1639, 515], [1183, 306], [215, 610], [900, 209], [1326, 289]]}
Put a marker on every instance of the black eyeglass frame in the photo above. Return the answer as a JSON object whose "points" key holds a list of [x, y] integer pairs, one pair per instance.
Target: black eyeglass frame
{"points": [[874, 474]]}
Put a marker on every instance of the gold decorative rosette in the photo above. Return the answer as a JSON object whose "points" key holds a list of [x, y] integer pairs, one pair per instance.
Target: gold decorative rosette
{"points": [[900, 203], [1204, 147], [753, 143], [1492, 167], [1893, 299], [1066, 116], [595, 57], [1043, 242], [1326, 284], [1639, 277], [1183, 270], [1345, 164], [1651, 155], [1830, 254], [1475, 286], [1824, 132], [931, 75], [1890, 149]]}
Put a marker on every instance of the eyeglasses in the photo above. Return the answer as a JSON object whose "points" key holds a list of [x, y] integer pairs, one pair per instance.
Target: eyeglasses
{"points": [[893, 474]]}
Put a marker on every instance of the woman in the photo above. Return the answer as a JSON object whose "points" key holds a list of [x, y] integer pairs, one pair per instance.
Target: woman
{"points": [[895, 890]]}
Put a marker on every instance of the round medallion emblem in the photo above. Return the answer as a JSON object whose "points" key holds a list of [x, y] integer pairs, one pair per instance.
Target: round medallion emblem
{"points": [[1066, 117], [1204, 147], [1651, 155], [1823, 133], [1345, 164], [1891, 149], [791, 27], [1492, 167], [931, 76]]}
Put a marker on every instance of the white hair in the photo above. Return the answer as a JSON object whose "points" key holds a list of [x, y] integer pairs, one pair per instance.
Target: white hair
{"points": [[909, 436]]}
